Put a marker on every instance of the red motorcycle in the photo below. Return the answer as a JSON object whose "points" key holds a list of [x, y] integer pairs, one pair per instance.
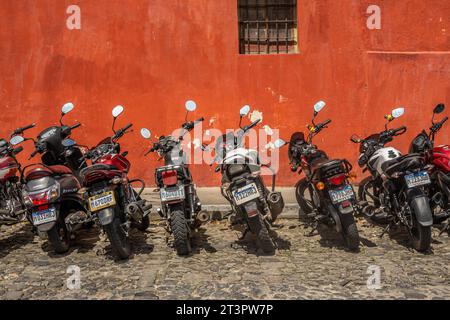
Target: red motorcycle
{"points": [[111, 199], [12, 207], [439, 158]]}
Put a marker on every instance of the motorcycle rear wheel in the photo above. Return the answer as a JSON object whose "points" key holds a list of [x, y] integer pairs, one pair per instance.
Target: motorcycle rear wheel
{"points": [[59, 238], [300, 192], [180, 230], [118, 239], [259, 228], [350, 232], [420, 236]]}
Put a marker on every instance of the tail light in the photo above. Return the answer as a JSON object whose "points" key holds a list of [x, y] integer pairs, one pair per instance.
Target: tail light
{"points": [[169, 177], [40, 198], [337, 180]]}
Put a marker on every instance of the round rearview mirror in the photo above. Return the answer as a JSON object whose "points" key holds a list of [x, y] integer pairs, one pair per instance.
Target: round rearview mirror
{"points": [[439, 108], [319, 106], [397, 113], [16, 140], [68, 143], [244, 110], [279, 143], [117, 111], [67, 108], [190, 105], [145, 133]]}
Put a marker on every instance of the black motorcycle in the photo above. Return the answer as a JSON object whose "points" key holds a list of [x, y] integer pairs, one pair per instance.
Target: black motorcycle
{"points": [[253, 204], [439, 158], [397, 187], [51, 188], [180, 205], [326, 194]]}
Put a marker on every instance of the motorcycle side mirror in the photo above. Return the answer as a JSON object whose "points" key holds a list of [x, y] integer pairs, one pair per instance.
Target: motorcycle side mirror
{"points": [[439, 108], [397, 113], [317, 108], [66, 108], [16, 140], [190, 106], [146, 134], [244, 111], [117, 111], [355, 139], [279, 143], [68, 143]]}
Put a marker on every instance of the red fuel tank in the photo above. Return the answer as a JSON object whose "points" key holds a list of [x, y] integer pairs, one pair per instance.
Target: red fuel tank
{"points": [[116, 160], [441, 158]]}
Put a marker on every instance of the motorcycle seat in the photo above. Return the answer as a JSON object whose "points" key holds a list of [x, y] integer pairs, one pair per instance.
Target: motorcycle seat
{"points": [[96, 167], [45, 171], [408, 161]]}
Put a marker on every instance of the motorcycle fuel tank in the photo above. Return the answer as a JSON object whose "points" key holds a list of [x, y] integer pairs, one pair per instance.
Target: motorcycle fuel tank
{"points": [[441, 158], [381, 156]]}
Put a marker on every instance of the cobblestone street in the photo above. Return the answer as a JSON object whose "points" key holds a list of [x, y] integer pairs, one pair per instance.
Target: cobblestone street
{"points": [[304, 267]]}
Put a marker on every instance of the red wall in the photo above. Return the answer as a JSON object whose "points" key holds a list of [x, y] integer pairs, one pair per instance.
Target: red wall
{"points": [[153, 55]]}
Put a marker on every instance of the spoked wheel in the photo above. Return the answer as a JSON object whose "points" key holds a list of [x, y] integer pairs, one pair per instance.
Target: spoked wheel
{"points": [[302, 192], [59, 238]]}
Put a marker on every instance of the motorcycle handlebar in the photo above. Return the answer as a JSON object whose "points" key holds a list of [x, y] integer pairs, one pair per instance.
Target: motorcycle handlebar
{"points": [[76, 125], [18, 150], [399, 131], [22, 129], [252, 125], [35, 152], [199, 120]]}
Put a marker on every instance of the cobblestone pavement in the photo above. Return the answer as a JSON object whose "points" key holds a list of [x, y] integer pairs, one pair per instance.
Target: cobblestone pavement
{"points": [[221, 267]]}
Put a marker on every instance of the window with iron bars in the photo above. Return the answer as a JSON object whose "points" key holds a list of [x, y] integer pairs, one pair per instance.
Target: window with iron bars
{"points": [[267, 26]]}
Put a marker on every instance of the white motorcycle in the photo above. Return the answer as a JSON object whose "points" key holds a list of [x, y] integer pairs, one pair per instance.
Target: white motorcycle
{"points": [[242, 185]]}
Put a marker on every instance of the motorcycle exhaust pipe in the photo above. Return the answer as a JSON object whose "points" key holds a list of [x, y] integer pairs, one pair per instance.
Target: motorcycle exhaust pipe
{"points": [[203, 217], [276, 204]]}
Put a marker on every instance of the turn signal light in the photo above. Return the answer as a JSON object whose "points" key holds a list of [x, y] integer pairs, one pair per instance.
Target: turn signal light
{"points": [[352, 176], [320, 186]]}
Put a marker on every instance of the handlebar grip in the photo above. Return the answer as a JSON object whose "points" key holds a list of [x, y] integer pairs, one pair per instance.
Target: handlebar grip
{"points": [[75, 126], [28, 127], [33, 153], [253, 124], [326, 122], [399, 131], [199, 120], [18, 150], [444, 120], [128, 126]]}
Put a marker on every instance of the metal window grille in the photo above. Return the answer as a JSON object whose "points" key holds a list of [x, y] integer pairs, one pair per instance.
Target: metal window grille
{"points": [[267, 26]]}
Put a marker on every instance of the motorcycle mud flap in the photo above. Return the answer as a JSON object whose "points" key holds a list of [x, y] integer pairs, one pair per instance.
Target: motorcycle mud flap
{"points": [[420, 206], [276, 204], [106, 216], [334, 213]]}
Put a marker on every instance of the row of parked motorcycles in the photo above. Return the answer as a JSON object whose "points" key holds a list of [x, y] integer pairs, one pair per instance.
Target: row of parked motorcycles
{"points": [[74, 187]]}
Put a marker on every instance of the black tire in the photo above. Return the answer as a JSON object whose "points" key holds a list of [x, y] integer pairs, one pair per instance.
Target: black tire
{"points": [[180, 231], [59, 238], [350, 232], [259, 228], [371, 204], [300, 191], [420, 236], [118, 239]]}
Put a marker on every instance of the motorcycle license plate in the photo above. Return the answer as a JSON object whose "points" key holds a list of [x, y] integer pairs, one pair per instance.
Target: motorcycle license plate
{"points": [[171, 194], [417, 179], [340, 195], [44, 216], [102, 201], [245, 194]]}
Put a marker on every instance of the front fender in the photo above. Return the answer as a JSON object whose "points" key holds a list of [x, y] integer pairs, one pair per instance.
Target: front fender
{"points": [[420, 207]]}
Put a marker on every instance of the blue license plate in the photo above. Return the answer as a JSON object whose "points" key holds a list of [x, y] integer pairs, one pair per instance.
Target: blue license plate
{"points": [[343, 194]]}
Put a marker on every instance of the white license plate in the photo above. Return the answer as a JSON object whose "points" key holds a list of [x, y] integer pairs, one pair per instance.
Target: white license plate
{"points": [[417, 179], [338, 196], [245, 194], [44, 216], [102, 201], [171, 194]]}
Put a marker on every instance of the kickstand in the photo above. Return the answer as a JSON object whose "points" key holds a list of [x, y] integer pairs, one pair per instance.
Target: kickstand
{"points": [[445, 228], [387, 229], [314, 226]]}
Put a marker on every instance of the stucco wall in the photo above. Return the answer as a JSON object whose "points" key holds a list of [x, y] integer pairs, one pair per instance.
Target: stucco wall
{"points": [[153, 55]]}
